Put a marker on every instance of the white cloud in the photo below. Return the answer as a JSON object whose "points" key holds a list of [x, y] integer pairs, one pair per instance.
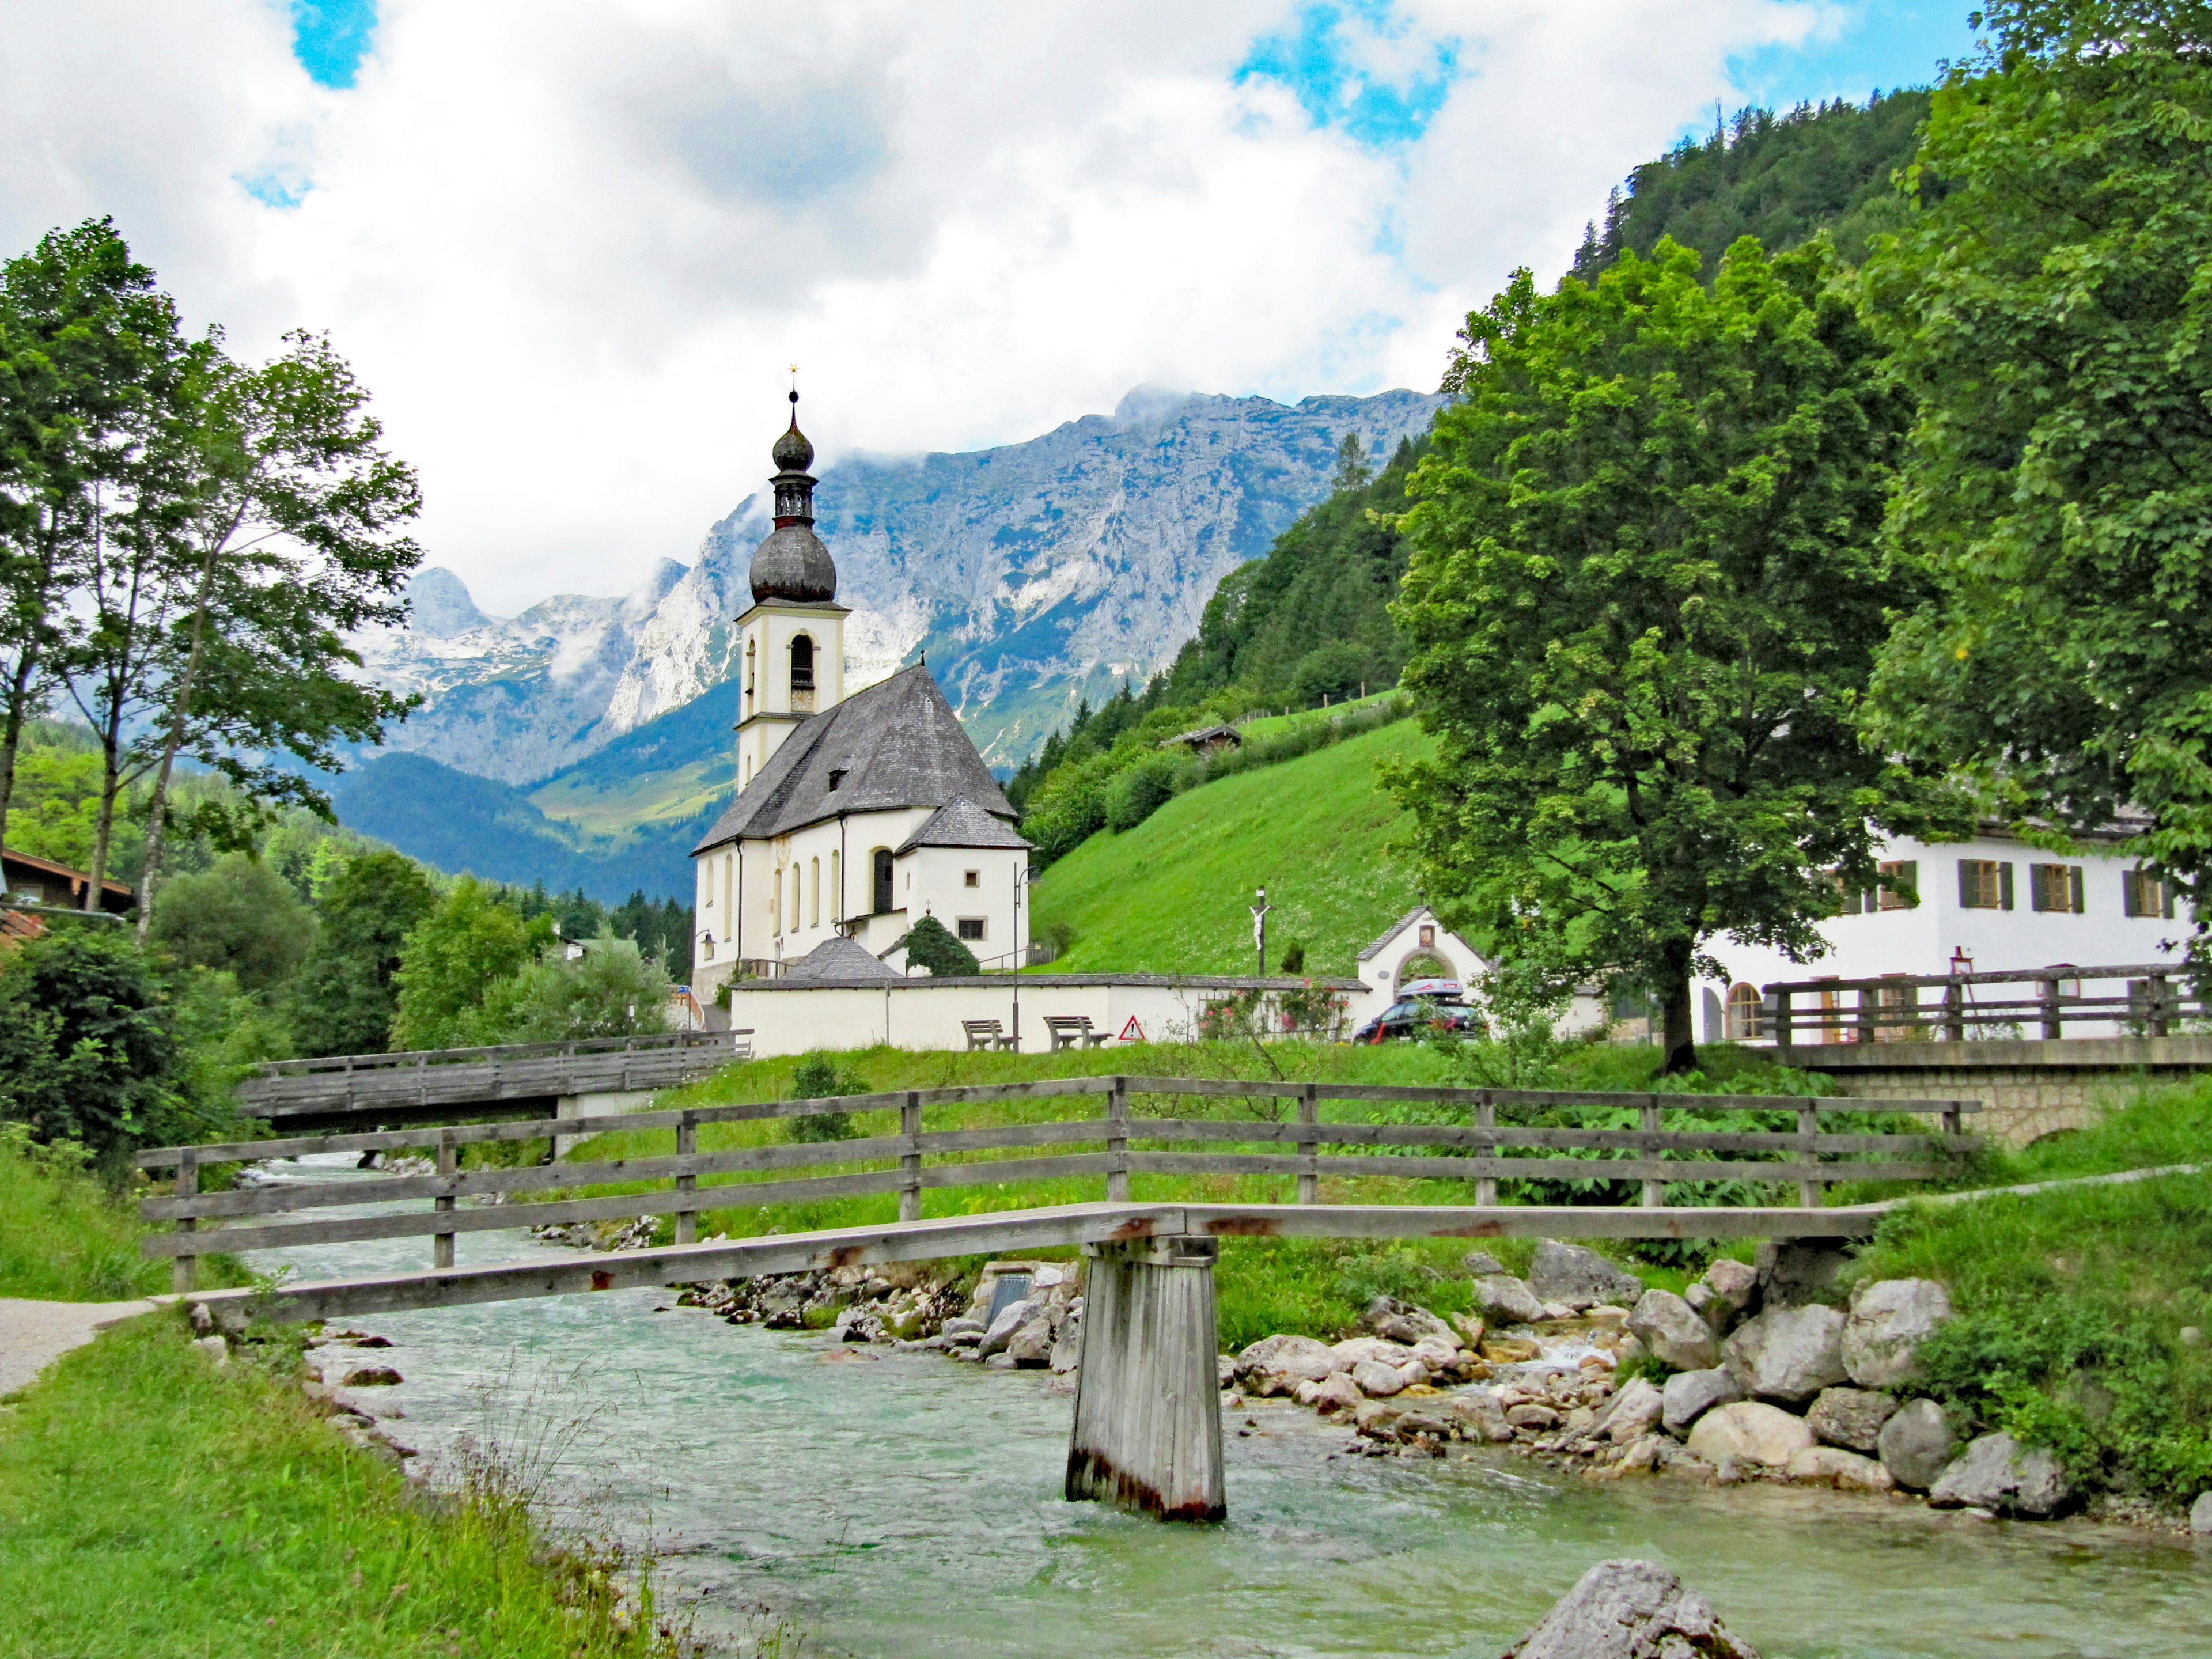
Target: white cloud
{"points": [[571, 246]]}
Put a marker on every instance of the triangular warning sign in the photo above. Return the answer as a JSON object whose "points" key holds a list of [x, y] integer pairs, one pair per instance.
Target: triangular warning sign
{"points": [[1133, 1032]]}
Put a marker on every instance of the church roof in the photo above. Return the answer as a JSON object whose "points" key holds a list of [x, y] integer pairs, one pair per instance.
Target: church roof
{"points": [[961, 822], [1393, 930], [896, 744], [839, 958]]}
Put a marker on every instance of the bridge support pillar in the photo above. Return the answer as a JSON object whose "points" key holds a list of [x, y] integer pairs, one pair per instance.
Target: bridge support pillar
{"points": [[600, 1105], [1148, 1403]]}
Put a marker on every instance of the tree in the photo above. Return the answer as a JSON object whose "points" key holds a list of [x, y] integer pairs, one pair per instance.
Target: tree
{"points": [[240, 917], [344, 999], [452, 958], [2048, 306], [87, 1051], [928, 945], [614, 989], [89, 354], [1645, 591]]}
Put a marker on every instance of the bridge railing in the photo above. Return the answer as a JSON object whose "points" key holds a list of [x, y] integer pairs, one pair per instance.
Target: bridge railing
{"points": [[415, 1058], [2145, 1001], [1128, 1139]]}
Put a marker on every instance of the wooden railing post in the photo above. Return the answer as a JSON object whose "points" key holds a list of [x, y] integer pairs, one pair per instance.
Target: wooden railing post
{"points": [[687, 1144], [1117, 1142], [2160, 1005], [1808, 1125], [1869, 1003], [186, 1270], [2047, 995], [910, 1160], [449, 1160], [1486, 1187], [1310, 1114], [1955, 1012], [1953, 1123], [1784, 1017], [1655, 1192]]}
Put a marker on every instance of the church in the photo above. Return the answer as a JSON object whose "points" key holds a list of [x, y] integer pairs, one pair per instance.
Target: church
{"points": [[855, 816]]}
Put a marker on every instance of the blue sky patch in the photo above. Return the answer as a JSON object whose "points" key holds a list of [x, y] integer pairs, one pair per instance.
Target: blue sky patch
{"points": [[1337, 77], [1877, 43], [331, 37]]}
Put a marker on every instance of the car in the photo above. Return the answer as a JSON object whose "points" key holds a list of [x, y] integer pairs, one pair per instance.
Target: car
{"points": [[1419, 1016]]}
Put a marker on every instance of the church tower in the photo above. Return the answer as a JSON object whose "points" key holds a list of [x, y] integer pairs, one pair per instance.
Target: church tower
{"points": [[790, 643]]}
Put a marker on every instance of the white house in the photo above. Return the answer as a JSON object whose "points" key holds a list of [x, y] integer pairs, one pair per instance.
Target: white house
{"points": [[855, 816], [1415, 947], [1993, 903]]}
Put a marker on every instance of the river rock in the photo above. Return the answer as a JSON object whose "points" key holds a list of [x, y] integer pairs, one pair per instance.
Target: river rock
{"points": [[2199, 1513], [1737, 1281], [1532, 1416], [1632, 1412], [1468, 1327], [1402, 1321], [1795, 1273], [1030, 1348], [1504, 1300], [1630, 1610], [1354, 1349], [1670, 1331], [1831, 1466], [1850, 1418], [1888, 1319], [1276, 1364], [1749, 1431], [1480, 1263], [1997, 1473], [1338, 1393], [1916, 1444], [1690, 1394], [1579, 1278], [1479, 1416], [1012, 1318], [1377, 1380], [1787, 1353]]}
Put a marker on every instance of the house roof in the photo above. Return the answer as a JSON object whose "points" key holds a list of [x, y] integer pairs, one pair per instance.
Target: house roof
{"points": [[897, 744], [961, 822], [113, 895], [839, 959], [1393, 930], [1206, 734]]}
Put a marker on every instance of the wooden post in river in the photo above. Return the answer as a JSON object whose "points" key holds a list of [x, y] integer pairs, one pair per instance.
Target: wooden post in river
{"points": [[1147, 1400]]}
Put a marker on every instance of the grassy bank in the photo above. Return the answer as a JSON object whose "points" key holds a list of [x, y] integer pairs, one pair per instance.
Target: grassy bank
{"points": [[65, 1237], [154, 1504], [2077, 1307]]}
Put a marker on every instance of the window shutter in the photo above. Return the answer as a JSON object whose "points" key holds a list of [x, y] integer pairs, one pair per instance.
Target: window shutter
{"points": [[2131, 892], [1967, 894], [2004, 885], [2074, 887], [2166, 890], [1909, 873]]}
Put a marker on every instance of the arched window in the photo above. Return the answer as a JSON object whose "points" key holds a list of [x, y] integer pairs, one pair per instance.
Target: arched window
{"points": [[802, 664], [836, 887], [886, 899], [814, 892], [1746, 1014]]}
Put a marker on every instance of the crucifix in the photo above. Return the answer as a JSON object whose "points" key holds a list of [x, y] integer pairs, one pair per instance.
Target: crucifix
{"points": [[1259, 929]]}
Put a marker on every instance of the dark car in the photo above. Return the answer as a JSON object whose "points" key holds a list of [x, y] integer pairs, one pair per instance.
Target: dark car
{"points": [[1418, 1017]]}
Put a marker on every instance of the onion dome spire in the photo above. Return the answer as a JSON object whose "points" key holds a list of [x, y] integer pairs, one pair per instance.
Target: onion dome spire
{"points": [[791, 563]]}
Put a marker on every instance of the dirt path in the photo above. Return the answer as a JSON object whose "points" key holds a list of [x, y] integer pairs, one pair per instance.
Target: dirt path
{"points": [[34, 1335]]}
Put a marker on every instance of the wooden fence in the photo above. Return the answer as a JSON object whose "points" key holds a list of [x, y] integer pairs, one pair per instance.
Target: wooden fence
{"points": [[1898, 1007], [1281, 1114]]}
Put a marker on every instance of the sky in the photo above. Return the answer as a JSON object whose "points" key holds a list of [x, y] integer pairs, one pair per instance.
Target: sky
{"points": [[574, 248]]}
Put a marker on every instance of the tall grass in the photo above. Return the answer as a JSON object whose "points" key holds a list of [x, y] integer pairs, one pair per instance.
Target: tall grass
{"points": [[65, 1236], [153, 1506]]}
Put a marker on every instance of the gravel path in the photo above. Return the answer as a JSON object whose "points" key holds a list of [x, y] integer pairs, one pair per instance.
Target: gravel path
{"points": [[34, 1335]]}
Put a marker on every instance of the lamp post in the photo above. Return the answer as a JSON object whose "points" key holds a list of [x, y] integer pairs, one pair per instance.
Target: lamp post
{"points": [[1023, 876]]}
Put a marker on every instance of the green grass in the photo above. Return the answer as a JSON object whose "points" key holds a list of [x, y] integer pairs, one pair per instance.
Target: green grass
{"points": [[64, 1237], [153, 1506], [1171, 895]]}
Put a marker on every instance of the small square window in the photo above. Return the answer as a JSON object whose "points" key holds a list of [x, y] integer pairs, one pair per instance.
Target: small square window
{"points": [[971, 926], [971, 878]]}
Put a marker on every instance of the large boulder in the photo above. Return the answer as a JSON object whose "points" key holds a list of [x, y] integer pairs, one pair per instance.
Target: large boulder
{"points": [[1631, 1610], [1277, 1364], [1670, 1331], [1012, 1318], [1690, 1394], [2200, 1514], [1793, 1272], [1477, 1415], [1632, 1412], [1402, 1321], [1883, 1335], [1787, 1353], [1580, 1278], [1354, 1349], [1749, 1431], [1997, 1473], [1031, 1346], [1504, 1300], [1378, 1381], [1831, 1466], [1916, 1444], [1850, 1418]]}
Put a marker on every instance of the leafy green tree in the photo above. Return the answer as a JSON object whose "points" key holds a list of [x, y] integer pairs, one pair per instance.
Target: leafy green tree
{"points": [[87, 1049], [344, 997], [614, 989], [240, 917], [928, 945], [1645, 591], [452, 959], [1140, 790], [2048, 306]]}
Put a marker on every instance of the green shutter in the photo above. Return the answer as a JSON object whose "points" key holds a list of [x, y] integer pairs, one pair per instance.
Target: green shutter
{"points": [[2131, 892], [1908, 875], [2074, 887], [1966, 883], [2004, 885]]}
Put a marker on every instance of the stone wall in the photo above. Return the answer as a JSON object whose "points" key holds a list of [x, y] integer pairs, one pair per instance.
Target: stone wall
{"points": [[2027, 1088]]}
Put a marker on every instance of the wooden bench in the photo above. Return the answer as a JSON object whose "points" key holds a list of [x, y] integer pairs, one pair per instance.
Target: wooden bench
{"points": [[1073, 1031], [985, 1033]]}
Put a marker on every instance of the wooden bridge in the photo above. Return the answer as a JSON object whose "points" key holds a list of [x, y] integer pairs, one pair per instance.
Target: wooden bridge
{"points": [[1147, 1430], [357, 1090]]}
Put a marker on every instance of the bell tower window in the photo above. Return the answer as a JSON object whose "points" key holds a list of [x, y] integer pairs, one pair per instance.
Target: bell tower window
{"points": [[886, 900], [802, 672]]}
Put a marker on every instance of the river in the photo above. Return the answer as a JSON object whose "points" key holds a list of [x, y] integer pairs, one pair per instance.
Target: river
{"points": [[900, 1506]]}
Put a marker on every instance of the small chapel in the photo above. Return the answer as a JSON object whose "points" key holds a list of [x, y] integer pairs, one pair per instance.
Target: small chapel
{"points": [[855, 816]]}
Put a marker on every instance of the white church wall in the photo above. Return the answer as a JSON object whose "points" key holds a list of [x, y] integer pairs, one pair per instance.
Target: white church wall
{"points": [[939, 878]]}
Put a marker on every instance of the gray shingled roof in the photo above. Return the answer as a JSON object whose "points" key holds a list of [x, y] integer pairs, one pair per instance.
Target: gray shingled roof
{"points": [[961, 822], [1392, 932], [840, 959], [897, 744]]}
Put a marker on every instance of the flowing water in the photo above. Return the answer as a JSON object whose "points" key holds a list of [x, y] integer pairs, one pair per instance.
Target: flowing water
{"points": [[899, 1506]]}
